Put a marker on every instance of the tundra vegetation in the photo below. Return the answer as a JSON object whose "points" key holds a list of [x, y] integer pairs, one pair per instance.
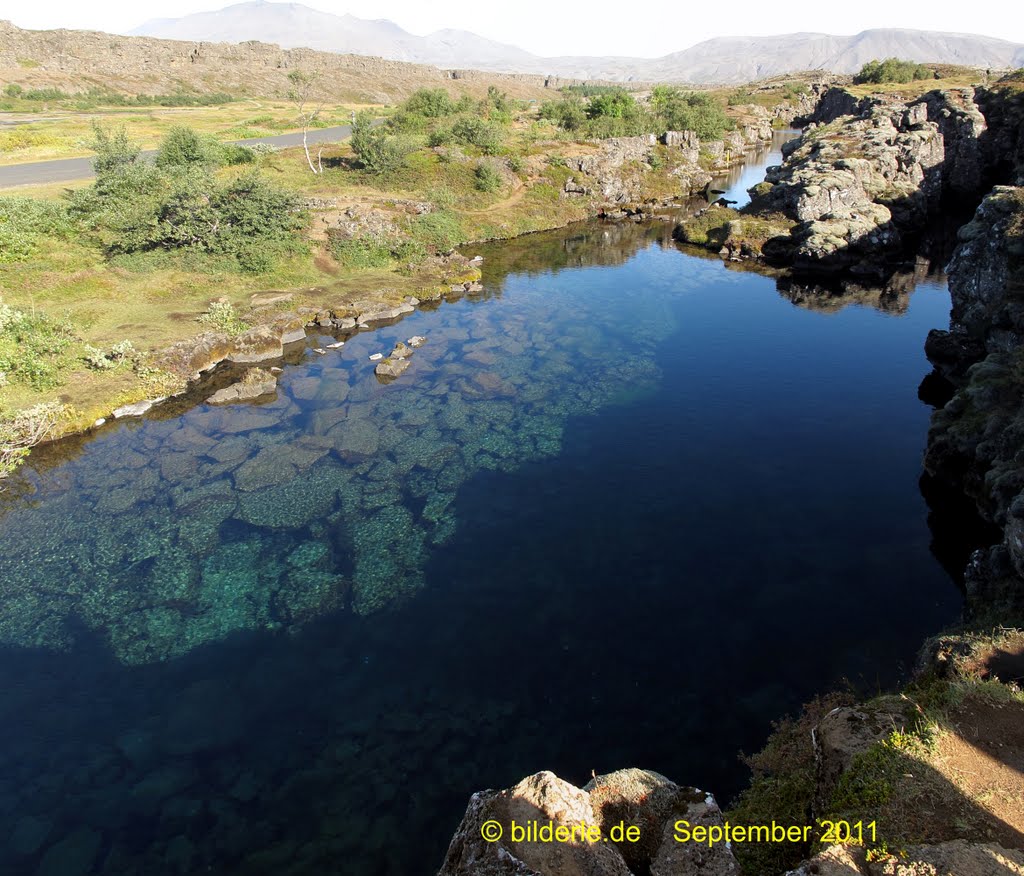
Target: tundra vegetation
{"points": [[893, 70], [96, 276], [614, 112]]}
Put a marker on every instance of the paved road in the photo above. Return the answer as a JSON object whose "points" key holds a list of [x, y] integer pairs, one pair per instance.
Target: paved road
{"points": [[66, 169]]}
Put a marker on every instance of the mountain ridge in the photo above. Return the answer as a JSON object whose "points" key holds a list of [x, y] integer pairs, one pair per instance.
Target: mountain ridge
{"points": [[720, 59]]}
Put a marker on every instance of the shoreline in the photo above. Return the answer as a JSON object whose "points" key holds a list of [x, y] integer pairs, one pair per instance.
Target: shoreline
{"points": [[192, 360]]}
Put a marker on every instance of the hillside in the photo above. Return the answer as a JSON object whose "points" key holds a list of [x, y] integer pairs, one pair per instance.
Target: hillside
{"points": [[77, 60], [720, 60]]}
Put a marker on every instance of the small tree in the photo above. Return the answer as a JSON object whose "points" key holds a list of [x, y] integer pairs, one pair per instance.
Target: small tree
{"points": [[308, 111]]}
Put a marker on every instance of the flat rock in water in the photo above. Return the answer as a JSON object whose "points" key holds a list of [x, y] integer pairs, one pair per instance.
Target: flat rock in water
{"points": [[256, 382], [391, 367], [137, 409]]}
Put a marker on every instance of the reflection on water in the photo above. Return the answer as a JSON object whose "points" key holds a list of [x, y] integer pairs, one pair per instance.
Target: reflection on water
{"points": [[735, 183], [626, 507]]}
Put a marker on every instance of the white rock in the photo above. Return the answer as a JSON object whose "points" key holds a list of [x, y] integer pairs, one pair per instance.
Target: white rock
{"points": [[336, 345], [376, 356], [135, 410]]}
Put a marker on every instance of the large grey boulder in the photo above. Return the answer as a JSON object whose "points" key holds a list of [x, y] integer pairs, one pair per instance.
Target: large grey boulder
{"points": [[618, 824]]}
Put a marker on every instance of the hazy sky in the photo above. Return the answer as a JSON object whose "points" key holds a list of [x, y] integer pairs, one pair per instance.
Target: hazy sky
{"points": [[645, 29]]}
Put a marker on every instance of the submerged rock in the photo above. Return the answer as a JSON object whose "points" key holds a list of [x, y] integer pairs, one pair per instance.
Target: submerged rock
{"points": [[256, 382], [73, 855]]}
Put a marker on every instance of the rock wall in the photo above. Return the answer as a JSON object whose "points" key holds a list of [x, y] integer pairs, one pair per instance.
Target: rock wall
{"points": [[861, 187], [77, 60], [870, 173], [976, 440]]}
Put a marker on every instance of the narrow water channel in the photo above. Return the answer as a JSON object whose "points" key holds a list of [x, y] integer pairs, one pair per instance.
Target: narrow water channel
{"points": [[628, 506]]}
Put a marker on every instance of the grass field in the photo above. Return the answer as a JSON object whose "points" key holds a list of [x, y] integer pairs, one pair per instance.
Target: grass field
{"points": [[62, 133]]}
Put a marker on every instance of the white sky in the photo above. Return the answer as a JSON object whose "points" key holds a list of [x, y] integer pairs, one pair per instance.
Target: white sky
{"points": [[648, 28]]}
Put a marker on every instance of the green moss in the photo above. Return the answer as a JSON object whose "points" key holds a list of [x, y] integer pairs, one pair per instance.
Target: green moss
{"points": [[709, 228], [718, 227]]}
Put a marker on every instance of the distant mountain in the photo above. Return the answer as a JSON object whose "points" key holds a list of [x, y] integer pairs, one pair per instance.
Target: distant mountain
{"points": [[734, 59], [725, 59], [292, 25]]}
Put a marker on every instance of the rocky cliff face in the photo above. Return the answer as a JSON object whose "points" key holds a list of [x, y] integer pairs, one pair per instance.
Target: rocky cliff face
{"points": [[976, 440], [861, 183], [858, 189], [75, 60]]}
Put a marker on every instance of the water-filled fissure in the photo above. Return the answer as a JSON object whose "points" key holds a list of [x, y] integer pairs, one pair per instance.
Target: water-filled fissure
{"points": [[626, 507]]}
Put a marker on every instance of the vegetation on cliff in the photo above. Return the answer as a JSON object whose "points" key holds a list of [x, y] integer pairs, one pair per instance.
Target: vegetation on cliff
{"points": [[892, 70], [928, 765]]}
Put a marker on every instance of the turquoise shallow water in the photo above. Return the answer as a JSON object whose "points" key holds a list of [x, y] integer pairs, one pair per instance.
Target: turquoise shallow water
{"points": [[626, 507]]}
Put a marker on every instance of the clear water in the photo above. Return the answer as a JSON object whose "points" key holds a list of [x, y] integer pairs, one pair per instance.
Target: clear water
{"points": [[626, 507], [735, 184]]}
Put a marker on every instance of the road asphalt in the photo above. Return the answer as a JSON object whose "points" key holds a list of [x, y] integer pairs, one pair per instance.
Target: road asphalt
{"points": [[67, 169]]}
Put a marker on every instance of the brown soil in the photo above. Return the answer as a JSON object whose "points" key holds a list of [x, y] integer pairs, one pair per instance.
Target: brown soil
{"points": [[983, 758]]}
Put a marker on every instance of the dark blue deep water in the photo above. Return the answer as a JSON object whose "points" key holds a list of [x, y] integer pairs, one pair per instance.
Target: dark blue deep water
{"points": [[628, 506]]}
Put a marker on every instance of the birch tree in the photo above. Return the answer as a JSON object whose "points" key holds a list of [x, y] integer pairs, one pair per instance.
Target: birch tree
{"points": [[308, 110]]}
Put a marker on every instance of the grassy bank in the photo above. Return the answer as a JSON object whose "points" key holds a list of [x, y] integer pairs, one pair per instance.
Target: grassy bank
{"points": [[133, 260], [45, 131], [931, 763]]}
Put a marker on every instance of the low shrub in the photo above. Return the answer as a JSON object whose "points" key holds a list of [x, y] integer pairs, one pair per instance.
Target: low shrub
{"points": [[377, 151], [32, 347], [21, 431], [184, 147], [177, 204], [439, 230], [24, 222], [222, 316], [474, 131], [892, 70], [487, 178]]}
